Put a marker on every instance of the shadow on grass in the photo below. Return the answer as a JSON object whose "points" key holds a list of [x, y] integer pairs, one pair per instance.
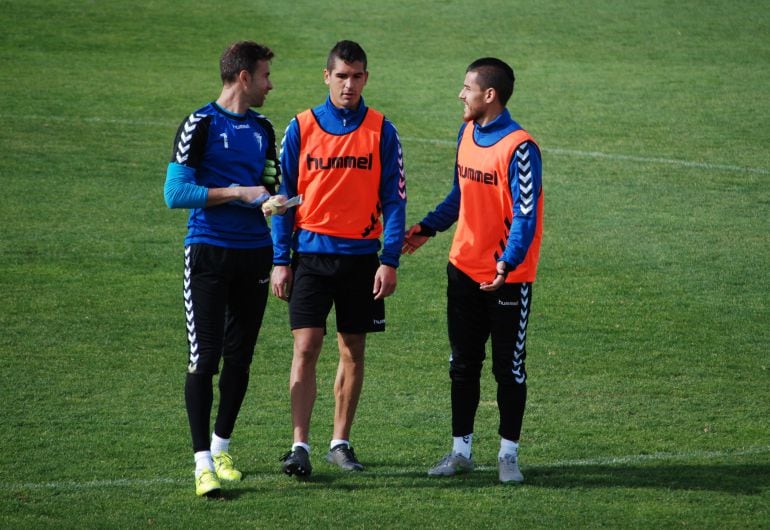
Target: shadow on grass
{"points": [[737, 479]]}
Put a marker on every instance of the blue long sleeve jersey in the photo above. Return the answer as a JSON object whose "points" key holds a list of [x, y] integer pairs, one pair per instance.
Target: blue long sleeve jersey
{"points": [[523, 228], [392, 193], [215, 148]]}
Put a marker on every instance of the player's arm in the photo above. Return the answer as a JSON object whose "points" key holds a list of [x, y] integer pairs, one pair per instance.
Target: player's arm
{"points": [[525, 180], [440, 219], [525, 177], [392, 195], [393, 200], [282, 277], [181, 189], [283, 226]]}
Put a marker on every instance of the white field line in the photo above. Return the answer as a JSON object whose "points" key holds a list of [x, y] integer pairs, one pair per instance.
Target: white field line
{"points": [[72, 485], [627, 158], [550, 150]]}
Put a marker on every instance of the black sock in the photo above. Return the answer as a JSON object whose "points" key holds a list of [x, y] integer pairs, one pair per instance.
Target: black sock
{"points": [[511, 400], [233, 383], [465, 402], [199, 395]]}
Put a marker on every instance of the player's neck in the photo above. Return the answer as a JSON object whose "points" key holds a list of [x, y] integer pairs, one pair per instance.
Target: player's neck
{"points": [[231, 101]]}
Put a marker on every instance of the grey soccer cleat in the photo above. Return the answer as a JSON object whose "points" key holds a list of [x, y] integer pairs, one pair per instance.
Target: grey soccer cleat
{"points": [[452, 464], [344, 456], [508, 468]]}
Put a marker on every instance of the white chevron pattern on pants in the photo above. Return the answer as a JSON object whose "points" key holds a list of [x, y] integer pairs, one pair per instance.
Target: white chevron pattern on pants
{"points": [[521, 336], [192, 338]]}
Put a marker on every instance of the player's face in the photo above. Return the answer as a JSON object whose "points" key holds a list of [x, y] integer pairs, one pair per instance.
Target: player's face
{"points": [[259, 84], [475, 99], [346, 83]]}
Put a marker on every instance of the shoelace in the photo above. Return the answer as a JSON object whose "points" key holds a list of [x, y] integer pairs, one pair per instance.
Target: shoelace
{"points": [[286, 455], [348, 454], [207, 476], [225, 460]]}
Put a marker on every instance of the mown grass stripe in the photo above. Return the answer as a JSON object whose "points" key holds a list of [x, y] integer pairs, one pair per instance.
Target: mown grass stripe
{"points": [[435, 141]]}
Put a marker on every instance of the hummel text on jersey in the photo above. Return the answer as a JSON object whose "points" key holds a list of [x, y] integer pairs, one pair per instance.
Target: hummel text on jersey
{"points": [[475, 175], [333, 162]]}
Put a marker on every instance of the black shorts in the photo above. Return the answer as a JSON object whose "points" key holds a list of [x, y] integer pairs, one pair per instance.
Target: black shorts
{"points": [[321, 280]]}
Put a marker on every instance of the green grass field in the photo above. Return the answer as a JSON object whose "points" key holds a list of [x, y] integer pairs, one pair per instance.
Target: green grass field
{"points": [[650, 336]]}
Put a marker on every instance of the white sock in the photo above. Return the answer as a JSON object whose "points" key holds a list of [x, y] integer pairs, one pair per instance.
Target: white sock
{"points": [[508, 447], [335, 443], [219, 445], [462, 445], [303, 445], [203, 462]]}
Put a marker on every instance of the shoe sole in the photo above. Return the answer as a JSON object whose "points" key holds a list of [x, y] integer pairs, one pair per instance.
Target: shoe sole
{"points": [[513, 480], [449, 472], [229, 479]]}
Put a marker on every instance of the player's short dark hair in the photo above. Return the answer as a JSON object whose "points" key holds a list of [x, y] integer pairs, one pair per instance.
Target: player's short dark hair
{"points": [[494, 73], [348, 51], [242, 55]]}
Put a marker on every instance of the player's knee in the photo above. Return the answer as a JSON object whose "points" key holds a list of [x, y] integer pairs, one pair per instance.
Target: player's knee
{"points": [[239, 359], [461, 372], [509, 377]]}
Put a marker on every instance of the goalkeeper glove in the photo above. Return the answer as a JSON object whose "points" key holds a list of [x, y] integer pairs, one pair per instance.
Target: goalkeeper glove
{"points": [[269, 173]]}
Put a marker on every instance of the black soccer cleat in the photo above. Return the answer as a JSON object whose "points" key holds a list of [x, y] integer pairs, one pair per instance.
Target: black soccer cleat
{"points": [[297, 462]]}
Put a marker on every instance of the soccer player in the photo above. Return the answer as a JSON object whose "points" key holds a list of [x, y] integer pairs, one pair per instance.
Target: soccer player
{"points": [[497, 202], [345, 159], [223, 167]]}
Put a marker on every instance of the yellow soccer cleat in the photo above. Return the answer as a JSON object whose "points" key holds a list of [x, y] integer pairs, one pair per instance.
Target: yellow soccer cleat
{"points": [[207, 484], [223, 464]]}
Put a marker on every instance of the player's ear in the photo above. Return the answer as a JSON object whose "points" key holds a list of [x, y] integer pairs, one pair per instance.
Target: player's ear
{"points": [[244, 77]]}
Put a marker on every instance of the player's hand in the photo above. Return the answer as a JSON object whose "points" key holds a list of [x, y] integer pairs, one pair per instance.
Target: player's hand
{"points": [[498, 281], [280, 280], [412, 241], [384, 282], [274, 205], [249, 196]]}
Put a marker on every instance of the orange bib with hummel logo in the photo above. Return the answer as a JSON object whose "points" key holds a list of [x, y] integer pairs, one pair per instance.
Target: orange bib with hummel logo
{"points": [[486, 209], [339, 178]]}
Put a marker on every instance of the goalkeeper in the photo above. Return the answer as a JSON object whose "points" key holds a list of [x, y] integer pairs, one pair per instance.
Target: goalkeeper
{"points": [[223, 168]]}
